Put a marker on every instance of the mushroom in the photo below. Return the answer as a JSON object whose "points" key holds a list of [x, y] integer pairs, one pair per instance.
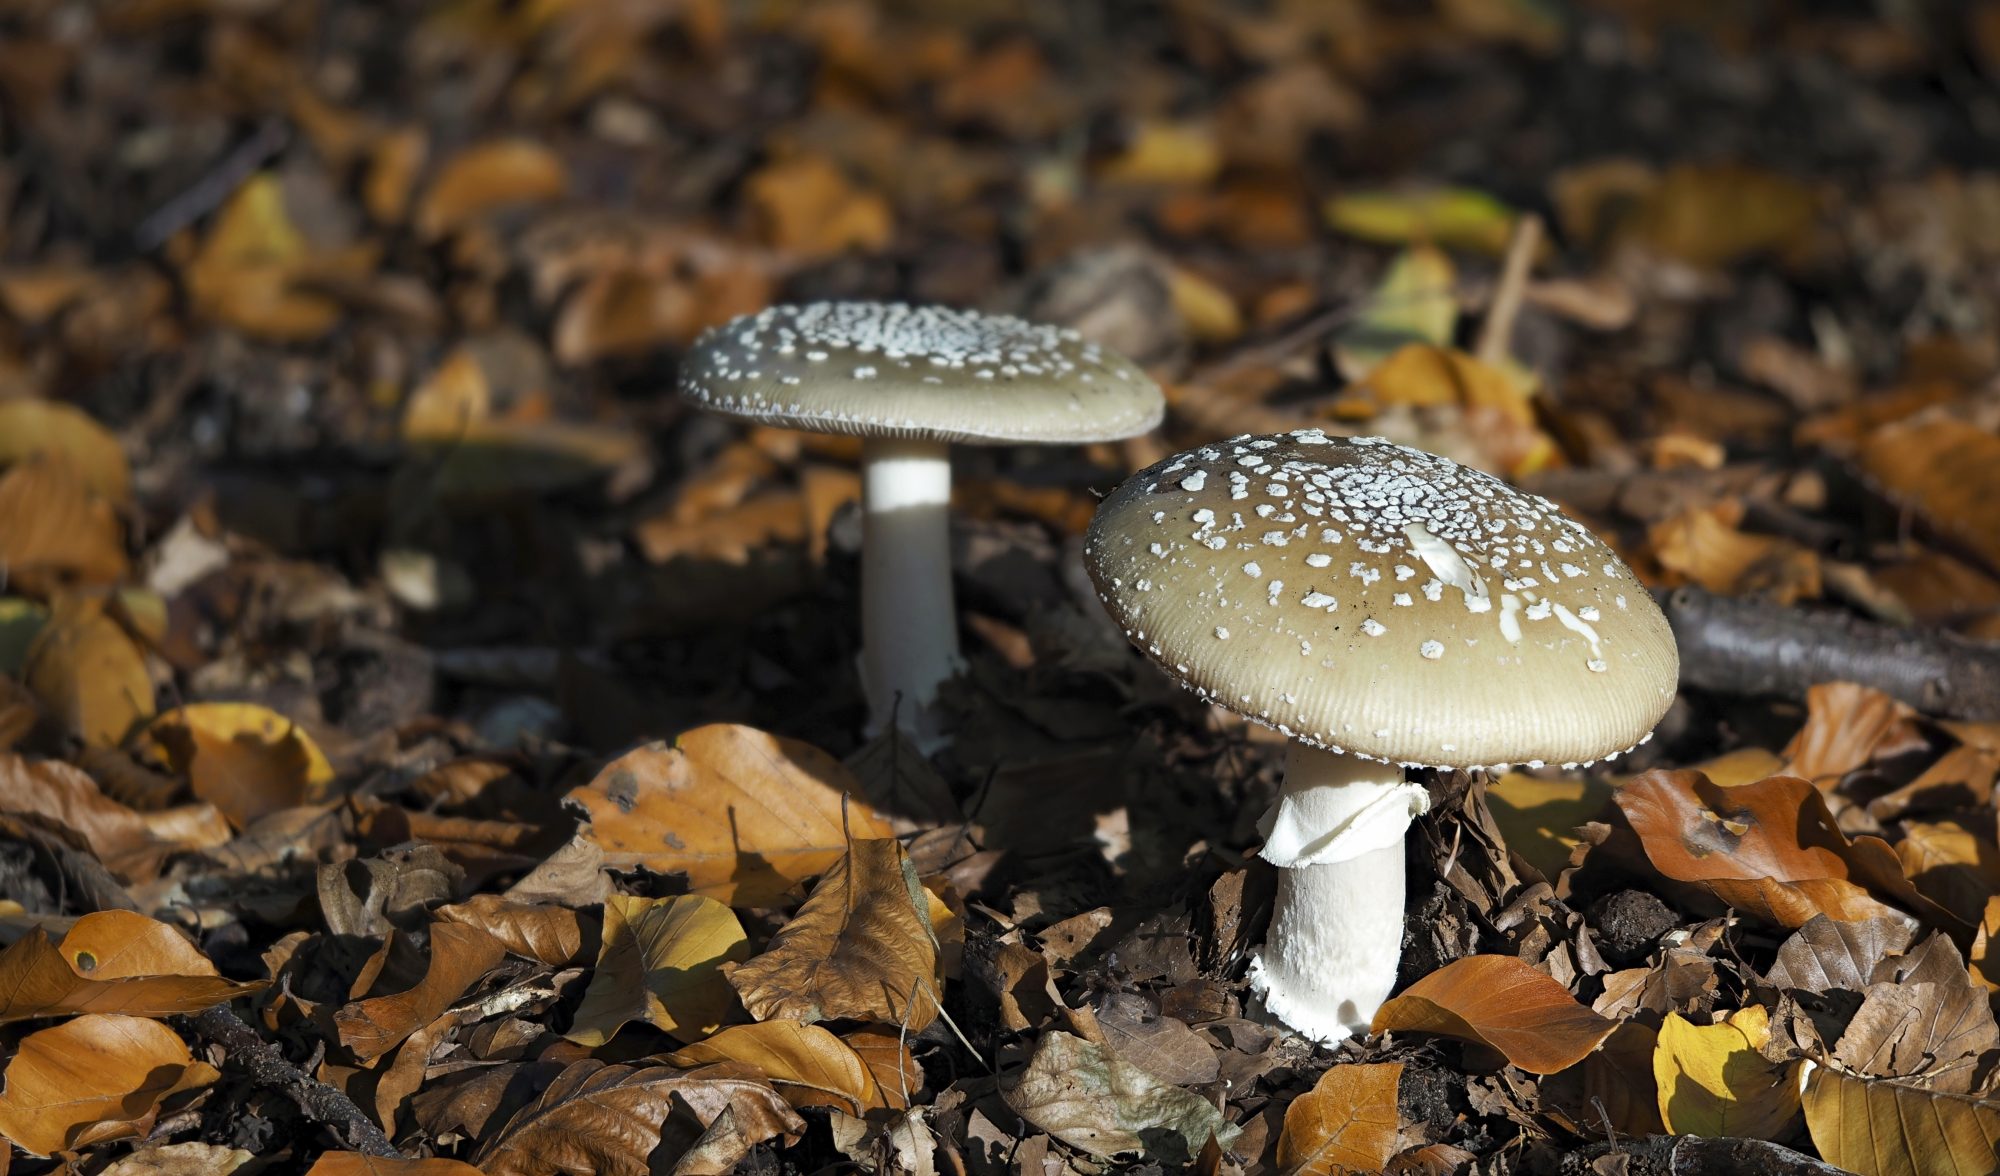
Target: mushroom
{"points": [[1382, 608], [910, 380]]}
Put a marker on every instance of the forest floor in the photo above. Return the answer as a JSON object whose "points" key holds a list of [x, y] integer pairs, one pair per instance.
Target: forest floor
{"points": [[417, 726]]}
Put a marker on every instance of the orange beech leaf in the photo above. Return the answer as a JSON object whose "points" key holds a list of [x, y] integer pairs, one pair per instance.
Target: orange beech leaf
{"points": [[1948, 471], [809, 1066], [51, 427], [111, 962], [1500, 1002], [131, 844], [460, 956], [86, 670], [1770, 849], [356, 1164], [95, 1078], [486, 177], [1848, 726], [1346, 1123], [247, 760], [55, 529]]}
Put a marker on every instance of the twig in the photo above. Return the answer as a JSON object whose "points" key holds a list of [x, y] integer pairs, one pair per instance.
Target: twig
{"points": [[321, 1103], [1497, 331], [1694, 1155], [1740, 646]]}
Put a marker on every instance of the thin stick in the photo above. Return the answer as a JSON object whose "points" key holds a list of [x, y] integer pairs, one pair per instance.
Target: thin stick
{"points": [[1497, 331]]}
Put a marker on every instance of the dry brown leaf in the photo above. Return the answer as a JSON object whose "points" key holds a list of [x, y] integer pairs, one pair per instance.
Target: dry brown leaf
{"points": [[459, 956], [860, 948], [1346, 1123], [1945, 469], [95, 1078], [1883, 1127], [809, 1066], [1715, 214], [608, 1120], [111, 962], [254, 269], [1770, 849], [51, 427], [887, 1056], [1951, 865], [54, 529], [1085, 1096], [1500, 1002], [131, 844], [88, 673], [809, 207], [246, 760], [1703, 546], [663, 962], [542, 932], [729, 535], [487, 177], [1828, 953], [180, 1159], [743, 815], [1984, 962], [1612, 1085], [356, 1164], [1849, 726]]}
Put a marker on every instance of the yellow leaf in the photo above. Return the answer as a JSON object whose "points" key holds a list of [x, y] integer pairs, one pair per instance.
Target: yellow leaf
{"points": [[861, 948], [1167, 153], [1883, 1127], [249, 270], [1206, 309], [1714, 1082], [1413, 303], [1538, 818], [661, 962], [1456, 218], [486, 177], [741, 814], [54, 530], [88, 674], [93, 1079], [1346, 1123], [809, 1066], [247, 760], [47, 426]]}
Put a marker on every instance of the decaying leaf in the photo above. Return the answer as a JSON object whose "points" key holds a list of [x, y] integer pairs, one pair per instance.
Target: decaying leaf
{"points": [[1502, 1003], [247, 760], [1346, 1123], [662, 961], [459, 956], [860, 948], [610, 1120], [111, 962], [543, 932], [94, 1078], [129, 843], [809, 1066], [742, 815], [1084, 1096], [1715, 1080]]}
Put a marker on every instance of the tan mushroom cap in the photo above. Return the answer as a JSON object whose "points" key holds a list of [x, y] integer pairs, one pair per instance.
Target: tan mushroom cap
{"points": [[893, 370], [1370, 598]]}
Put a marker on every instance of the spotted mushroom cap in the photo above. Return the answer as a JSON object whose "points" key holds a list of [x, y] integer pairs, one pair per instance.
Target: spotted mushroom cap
{"points": [[894, 370], [1370, 598]]}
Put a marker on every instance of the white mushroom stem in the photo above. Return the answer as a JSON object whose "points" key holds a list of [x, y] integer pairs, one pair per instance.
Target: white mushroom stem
{"points": [[1336, 835], [909, 633]]}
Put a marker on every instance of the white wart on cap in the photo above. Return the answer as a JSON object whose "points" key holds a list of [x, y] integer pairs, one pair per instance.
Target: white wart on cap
{"points": [[894, 370], [1365, 597]]}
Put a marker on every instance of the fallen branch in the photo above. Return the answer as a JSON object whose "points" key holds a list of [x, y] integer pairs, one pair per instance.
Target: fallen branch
{"points": [[268, 1068], [1741, 646]]}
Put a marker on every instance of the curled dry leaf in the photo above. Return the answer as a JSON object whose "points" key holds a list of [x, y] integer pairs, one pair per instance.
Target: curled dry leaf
{"points": [[809, 1066], [1849, 726], [93, 1078], [1346, 1123], [131, 844], [860, 948], [460, 955], [1886, 1127], [1714, 1080], [608, 1119], [742, 815], [1500, 1002], [1770, 849], [247, 760], [542, 932], [52, 427], [111, 962], [88, 674], [1084, 1096], [662, 962]]}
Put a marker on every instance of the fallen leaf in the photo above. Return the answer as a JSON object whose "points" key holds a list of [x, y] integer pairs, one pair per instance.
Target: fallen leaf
{"points": [[54, 529], [111, 962], [860, 948], [1346, 1123], [1499, 407], [1613, 1084], [30, 427], [95, 1078], [180, 1159], [809, 207], [1702, 546], [1770, 849], [1927, 1020], [608, 1120], [887, 1056], [1715, 214], [356, 1164], [88, 673], [1715, 1081], [542, 932], [247, 760], [1848, 726], [1415, 302], [808, 1065], [1827, 953], [663, 962], [486, 177], [1455, 218], [1948, 471], [254, 269], [1539, 817], [459, 957], [1884, 1127], [1502, 1003], [131, 844], [1951, 865], [1083, 1095], [742, 815], [1984, 961]]}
